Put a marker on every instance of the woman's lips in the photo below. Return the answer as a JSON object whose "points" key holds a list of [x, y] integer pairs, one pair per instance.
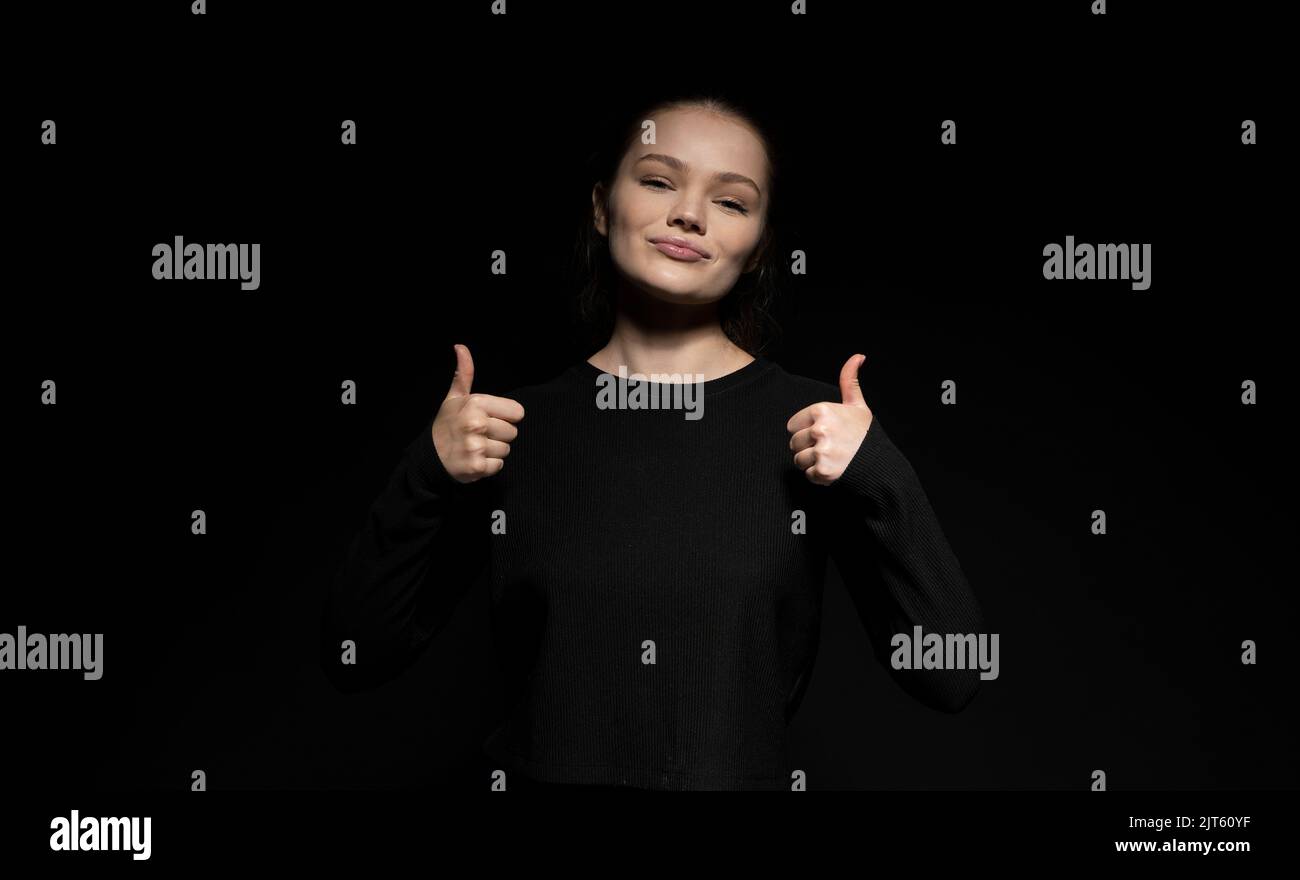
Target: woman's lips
{"points": [[678, 253]]}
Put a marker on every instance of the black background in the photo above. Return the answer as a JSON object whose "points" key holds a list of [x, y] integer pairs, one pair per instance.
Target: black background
{"points": [[1120, 652]]}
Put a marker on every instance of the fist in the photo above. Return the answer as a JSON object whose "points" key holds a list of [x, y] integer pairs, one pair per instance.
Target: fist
{"points": [[826, 435], [472, 432]]}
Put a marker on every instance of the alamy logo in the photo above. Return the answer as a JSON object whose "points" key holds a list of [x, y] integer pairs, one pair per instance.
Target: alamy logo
{"points": [[1105, 262], [946, 651], [59, 651], [99, 834], [663, 391], [211, 262]]}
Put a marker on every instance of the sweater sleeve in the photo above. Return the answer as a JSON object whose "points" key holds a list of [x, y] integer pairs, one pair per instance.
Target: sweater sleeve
{"points": [[899, 569], [406, 570]]}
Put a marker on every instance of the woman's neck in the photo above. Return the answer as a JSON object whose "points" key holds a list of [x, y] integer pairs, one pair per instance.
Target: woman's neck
{"points": [[710, 358], [651, 336]]}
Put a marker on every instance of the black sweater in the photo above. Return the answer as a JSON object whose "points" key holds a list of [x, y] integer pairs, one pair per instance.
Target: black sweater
{"points": [[625, 527]]}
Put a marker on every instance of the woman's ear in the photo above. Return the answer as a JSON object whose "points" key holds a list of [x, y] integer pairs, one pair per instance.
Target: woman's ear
{"points": [[764, 242], [600, 221]]}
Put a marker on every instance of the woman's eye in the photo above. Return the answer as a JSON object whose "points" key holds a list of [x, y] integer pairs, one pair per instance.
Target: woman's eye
{"points": [[728, 203]]}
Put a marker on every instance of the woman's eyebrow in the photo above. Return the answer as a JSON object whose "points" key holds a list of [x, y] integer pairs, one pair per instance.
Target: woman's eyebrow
{"points": [[678, 165]]}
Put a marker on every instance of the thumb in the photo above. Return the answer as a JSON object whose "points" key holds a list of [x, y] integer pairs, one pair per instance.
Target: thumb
{"points": [[464, 377], [850, 390]]}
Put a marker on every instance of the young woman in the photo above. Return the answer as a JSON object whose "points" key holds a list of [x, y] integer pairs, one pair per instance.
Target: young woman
{"points": [[656, 552]]}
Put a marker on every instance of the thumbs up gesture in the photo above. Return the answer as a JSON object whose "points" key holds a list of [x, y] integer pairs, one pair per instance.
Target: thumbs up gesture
{"points": [[826, 435], [472, 432]]}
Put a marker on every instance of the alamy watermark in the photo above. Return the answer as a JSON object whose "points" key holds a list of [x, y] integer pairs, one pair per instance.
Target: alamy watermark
{"points": [[1104, 262], [102, 834], [662, 391], [25, 650], [946, 651], [213, 262]]}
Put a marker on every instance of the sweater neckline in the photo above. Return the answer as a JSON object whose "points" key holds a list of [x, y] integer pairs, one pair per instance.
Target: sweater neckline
{"points": [[749, 371]]}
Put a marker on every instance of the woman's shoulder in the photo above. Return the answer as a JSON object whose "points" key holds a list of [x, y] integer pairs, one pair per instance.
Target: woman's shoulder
{"points": [[803, 388], [553, 383]]}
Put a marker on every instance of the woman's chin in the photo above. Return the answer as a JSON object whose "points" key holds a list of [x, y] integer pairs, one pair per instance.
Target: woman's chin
{"points": [[678, 295]]}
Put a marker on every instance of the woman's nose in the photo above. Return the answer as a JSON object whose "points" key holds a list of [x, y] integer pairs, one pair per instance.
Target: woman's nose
{"points": [[687, 218]]}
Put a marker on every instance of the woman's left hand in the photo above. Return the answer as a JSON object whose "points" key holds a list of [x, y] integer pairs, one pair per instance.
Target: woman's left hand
{"points": [[826, 435]]}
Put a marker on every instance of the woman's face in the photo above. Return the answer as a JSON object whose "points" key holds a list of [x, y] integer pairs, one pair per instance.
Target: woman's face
{"points": [[704, 180]]}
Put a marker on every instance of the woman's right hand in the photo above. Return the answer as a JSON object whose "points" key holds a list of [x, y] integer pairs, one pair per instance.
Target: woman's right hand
{"points": [[472, 432]]}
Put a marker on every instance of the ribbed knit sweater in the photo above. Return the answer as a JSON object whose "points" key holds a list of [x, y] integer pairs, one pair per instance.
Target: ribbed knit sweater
{"points": [[656, 581]]}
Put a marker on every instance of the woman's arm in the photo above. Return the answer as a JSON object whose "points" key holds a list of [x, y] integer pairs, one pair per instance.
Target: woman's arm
{"points": [[899, 569], [405, 573]]}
